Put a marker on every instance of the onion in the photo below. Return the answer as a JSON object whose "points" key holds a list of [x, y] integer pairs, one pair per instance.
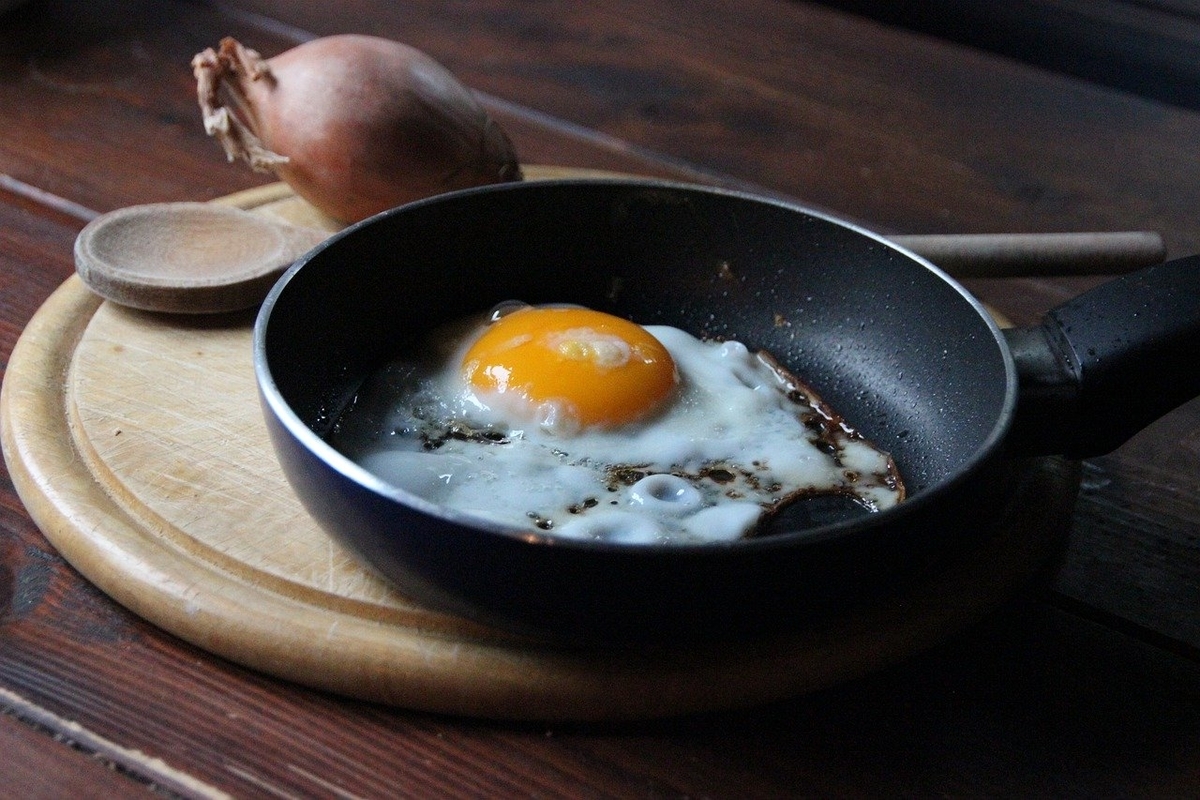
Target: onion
{"points": [[354, 124]]}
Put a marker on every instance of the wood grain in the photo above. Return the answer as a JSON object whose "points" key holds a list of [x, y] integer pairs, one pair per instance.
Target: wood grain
{"points": [[27, 761], [1149, 49]]}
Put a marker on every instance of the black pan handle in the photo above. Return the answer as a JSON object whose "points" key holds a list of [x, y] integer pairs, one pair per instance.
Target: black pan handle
{"points": [[1106, 364]]}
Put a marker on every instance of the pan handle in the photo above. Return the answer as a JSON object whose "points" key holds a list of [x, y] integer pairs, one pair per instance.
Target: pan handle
{"points": [[1107, 363]]}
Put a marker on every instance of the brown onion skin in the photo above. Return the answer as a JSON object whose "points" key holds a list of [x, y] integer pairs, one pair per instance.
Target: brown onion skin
{"points": [[364, 123]]}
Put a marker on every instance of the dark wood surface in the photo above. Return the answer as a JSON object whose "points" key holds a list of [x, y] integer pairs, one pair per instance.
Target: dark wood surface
{"points": [[1087, 684], [1149, 48]]}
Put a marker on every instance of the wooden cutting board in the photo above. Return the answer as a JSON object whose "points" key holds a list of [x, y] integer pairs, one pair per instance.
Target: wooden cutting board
{"points": [[136, 442]]}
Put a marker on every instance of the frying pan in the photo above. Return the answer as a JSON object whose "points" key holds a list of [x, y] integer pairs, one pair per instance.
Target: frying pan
{"points": [[901, 350]]}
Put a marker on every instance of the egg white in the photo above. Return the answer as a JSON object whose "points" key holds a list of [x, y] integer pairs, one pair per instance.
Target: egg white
{"points": [[739, 439]]}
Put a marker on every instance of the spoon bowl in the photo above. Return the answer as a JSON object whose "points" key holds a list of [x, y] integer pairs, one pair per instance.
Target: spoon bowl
{"points": [[187, 258]]}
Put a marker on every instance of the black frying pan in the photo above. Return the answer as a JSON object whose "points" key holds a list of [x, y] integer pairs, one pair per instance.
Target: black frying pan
{"points": [[900, 349]]}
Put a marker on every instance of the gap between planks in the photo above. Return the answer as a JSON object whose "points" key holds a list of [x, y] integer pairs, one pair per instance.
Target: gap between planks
{"points": [[137, 765]]}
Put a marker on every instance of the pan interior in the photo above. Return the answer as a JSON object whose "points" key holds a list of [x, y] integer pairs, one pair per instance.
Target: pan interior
{"points": [[892, 345]]}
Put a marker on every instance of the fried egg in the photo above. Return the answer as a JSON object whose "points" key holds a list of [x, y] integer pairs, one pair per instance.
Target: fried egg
{"points": [[570, 422]]}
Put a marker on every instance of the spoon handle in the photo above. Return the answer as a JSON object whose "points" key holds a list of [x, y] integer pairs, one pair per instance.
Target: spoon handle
{"points": [[1015, 255]]}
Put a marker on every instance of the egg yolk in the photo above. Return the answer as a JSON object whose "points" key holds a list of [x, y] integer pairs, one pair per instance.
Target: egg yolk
{"points": [[599, 369]]}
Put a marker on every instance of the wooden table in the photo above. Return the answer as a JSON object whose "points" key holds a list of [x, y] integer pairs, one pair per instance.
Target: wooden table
{"points": [[1086, 683]]}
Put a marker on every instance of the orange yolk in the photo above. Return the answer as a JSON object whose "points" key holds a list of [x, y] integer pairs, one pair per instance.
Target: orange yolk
{"points": [[600, 369]]}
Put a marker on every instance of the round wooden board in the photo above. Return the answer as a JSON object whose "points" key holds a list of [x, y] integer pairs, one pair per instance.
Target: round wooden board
{"points": [[135, 441]]}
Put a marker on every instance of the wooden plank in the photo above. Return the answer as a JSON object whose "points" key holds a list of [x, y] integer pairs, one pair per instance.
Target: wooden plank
{"points": [[1137, 565], [1150, 49], [32, 757], [125, 96]]}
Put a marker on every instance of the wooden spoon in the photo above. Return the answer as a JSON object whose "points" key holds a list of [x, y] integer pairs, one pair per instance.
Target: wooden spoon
{"points": [[203, 258], [191, 258]]}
